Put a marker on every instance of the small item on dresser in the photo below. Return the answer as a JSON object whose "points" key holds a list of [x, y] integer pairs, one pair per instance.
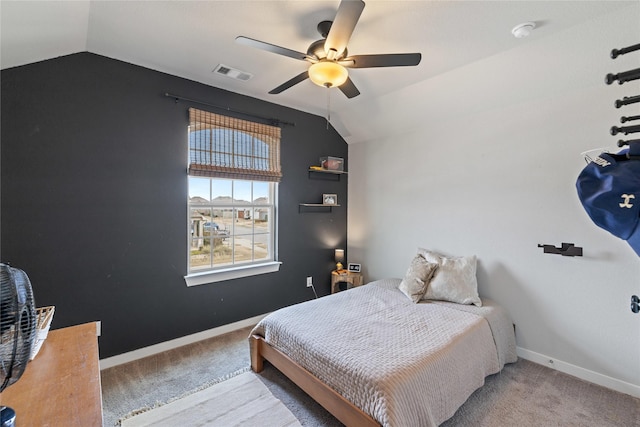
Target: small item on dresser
{"points": [[44, 317]]}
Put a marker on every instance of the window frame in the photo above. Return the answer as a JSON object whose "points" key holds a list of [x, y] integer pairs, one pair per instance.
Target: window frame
{"points": [[207, 162], [207, 277], [241, 269]]}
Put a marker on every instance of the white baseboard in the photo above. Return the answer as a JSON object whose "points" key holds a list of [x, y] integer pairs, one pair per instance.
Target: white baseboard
{"points": [[583, 374], [110, 362]]}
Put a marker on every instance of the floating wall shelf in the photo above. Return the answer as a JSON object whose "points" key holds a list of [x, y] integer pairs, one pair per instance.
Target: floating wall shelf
{"points": [[327, 171], [328, 174], [315, 207], [325, 174]]}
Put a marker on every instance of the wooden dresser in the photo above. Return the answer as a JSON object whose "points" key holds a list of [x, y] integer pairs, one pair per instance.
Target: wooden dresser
{"points": [[61, 386]]}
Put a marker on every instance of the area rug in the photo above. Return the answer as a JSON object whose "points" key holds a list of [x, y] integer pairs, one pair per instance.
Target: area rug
{"points": [[242, 400]]}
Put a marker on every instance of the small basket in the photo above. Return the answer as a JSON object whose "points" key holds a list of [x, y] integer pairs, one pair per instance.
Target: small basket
{"points": [[44, 317]]}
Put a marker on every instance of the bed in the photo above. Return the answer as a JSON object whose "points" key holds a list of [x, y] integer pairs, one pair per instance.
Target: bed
{"points": [[372, 357]]}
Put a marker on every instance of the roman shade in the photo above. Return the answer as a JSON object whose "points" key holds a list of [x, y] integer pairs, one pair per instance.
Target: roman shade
{"points": [[227, 147]]}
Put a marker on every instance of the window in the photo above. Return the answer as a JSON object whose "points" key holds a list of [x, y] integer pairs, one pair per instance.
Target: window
{"points": [[234, 168], [230, 222]]}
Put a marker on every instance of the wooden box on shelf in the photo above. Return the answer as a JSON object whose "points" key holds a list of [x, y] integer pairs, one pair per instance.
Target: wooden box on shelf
{"points": [[344, 276]]}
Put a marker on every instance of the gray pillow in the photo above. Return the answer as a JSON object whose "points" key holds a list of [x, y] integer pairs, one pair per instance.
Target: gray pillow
{"points": [[417, 278], [455, 279]]}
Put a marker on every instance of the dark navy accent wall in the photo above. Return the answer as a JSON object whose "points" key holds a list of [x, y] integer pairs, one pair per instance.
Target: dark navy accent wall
{"points": [[93, 201]]}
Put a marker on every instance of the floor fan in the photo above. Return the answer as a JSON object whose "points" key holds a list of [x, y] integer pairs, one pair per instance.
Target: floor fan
{"points": [[17, 330]]}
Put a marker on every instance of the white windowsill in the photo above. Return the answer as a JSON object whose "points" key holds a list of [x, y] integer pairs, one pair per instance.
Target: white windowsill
{"points": [[195, 279]]}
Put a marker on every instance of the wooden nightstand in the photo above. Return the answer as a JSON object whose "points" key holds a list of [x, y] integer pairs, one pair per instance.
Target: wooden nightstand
{"points": [[353, 279]]}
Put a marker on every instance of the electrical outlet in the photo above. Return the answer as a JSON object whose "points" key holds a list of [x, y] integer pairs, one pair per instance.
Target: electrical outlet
{"points": [[309, 281]]}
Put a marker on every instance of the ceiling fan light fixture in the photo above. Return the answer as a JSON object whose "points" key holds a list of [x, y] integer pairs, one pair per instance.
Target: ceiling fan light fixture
{"points": [[328, 74]]}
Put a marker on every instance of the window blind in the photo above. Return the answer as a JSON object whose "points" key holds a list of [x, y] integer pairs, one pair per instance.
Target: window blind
{"points": [[227, 147]]}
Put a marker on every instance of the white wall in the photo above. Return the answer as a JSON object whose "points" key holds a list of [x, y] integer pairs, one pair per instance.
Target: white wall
{"points": [[488, 166]]}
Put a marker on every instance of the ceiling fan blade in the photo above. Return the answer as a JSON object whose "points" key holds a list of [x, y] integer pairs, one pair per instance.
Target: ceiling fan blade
{"points": [[349, 89], [385, 60], [343, 25], [271, 48], [286, 85]]}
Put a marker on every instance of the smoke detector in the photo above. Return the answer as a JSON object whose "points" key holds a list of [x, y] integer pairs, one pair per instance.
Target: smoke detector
{"points": [[523, 30], [232, 72]]}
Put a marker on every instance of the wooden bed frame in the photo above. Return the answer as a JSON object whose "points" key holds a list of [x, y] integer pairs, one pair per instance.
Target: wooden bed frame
{"points": [[338, 406]]}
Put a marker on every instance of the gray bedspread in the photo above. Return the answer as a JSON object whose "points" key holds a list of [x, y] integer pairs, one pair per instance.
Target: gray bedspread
{"points": [[404, 364]]}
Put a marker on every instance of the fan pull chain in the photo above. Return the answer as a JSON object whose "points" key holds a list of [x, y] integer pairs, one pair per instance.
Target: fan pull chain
{"points": [[328, 106]]}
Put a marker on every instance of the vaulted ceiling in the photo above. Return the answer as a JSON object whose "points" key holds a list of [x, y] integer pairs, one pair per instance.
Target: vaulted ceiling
{"points": [[190, 38]]}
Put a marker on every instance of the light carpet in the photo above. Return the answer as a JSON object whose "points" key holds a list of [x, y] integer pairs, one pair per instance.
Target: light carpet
{"points": [[242, 400], [523, 394]]}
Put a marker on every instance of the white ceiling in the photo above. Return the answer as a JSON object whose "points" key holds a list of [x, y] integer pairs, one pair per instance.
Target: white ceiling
{"points": [[189, 38]]}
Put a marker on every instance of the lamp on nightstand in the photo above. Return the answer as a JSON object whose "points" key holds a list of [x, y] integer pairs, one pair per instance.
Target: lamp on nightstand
{"points": [[339, 256]]}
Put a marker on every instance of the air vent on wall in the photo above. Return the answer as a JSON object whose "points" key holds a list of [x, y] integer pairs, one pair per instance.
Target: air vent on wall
{"points": [[232, 72]]}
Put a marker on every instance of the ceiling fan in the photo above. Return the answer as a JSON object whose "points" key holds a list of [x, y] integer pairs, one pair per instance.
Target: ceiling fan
{"points": [[329, 57]]}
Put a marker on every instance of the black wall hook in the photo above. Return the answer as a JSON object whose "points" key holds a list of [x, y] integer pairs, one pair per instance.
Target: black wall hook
{"points": [[623, 77], [626, 100], [624, 129], [622, 142], [624, 119], [617, 52], [567, 249]]}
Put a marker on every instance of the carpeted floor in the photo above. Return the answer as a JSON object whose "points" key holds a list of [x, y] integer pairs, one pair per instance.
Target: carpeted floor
{"points": [[159, 378], [523, 394]]}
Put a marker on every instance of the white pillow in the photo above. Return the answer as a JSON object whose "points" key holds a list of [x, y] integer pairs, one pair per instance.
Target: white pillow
{"points": [[417, 277], [454, 280]]}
